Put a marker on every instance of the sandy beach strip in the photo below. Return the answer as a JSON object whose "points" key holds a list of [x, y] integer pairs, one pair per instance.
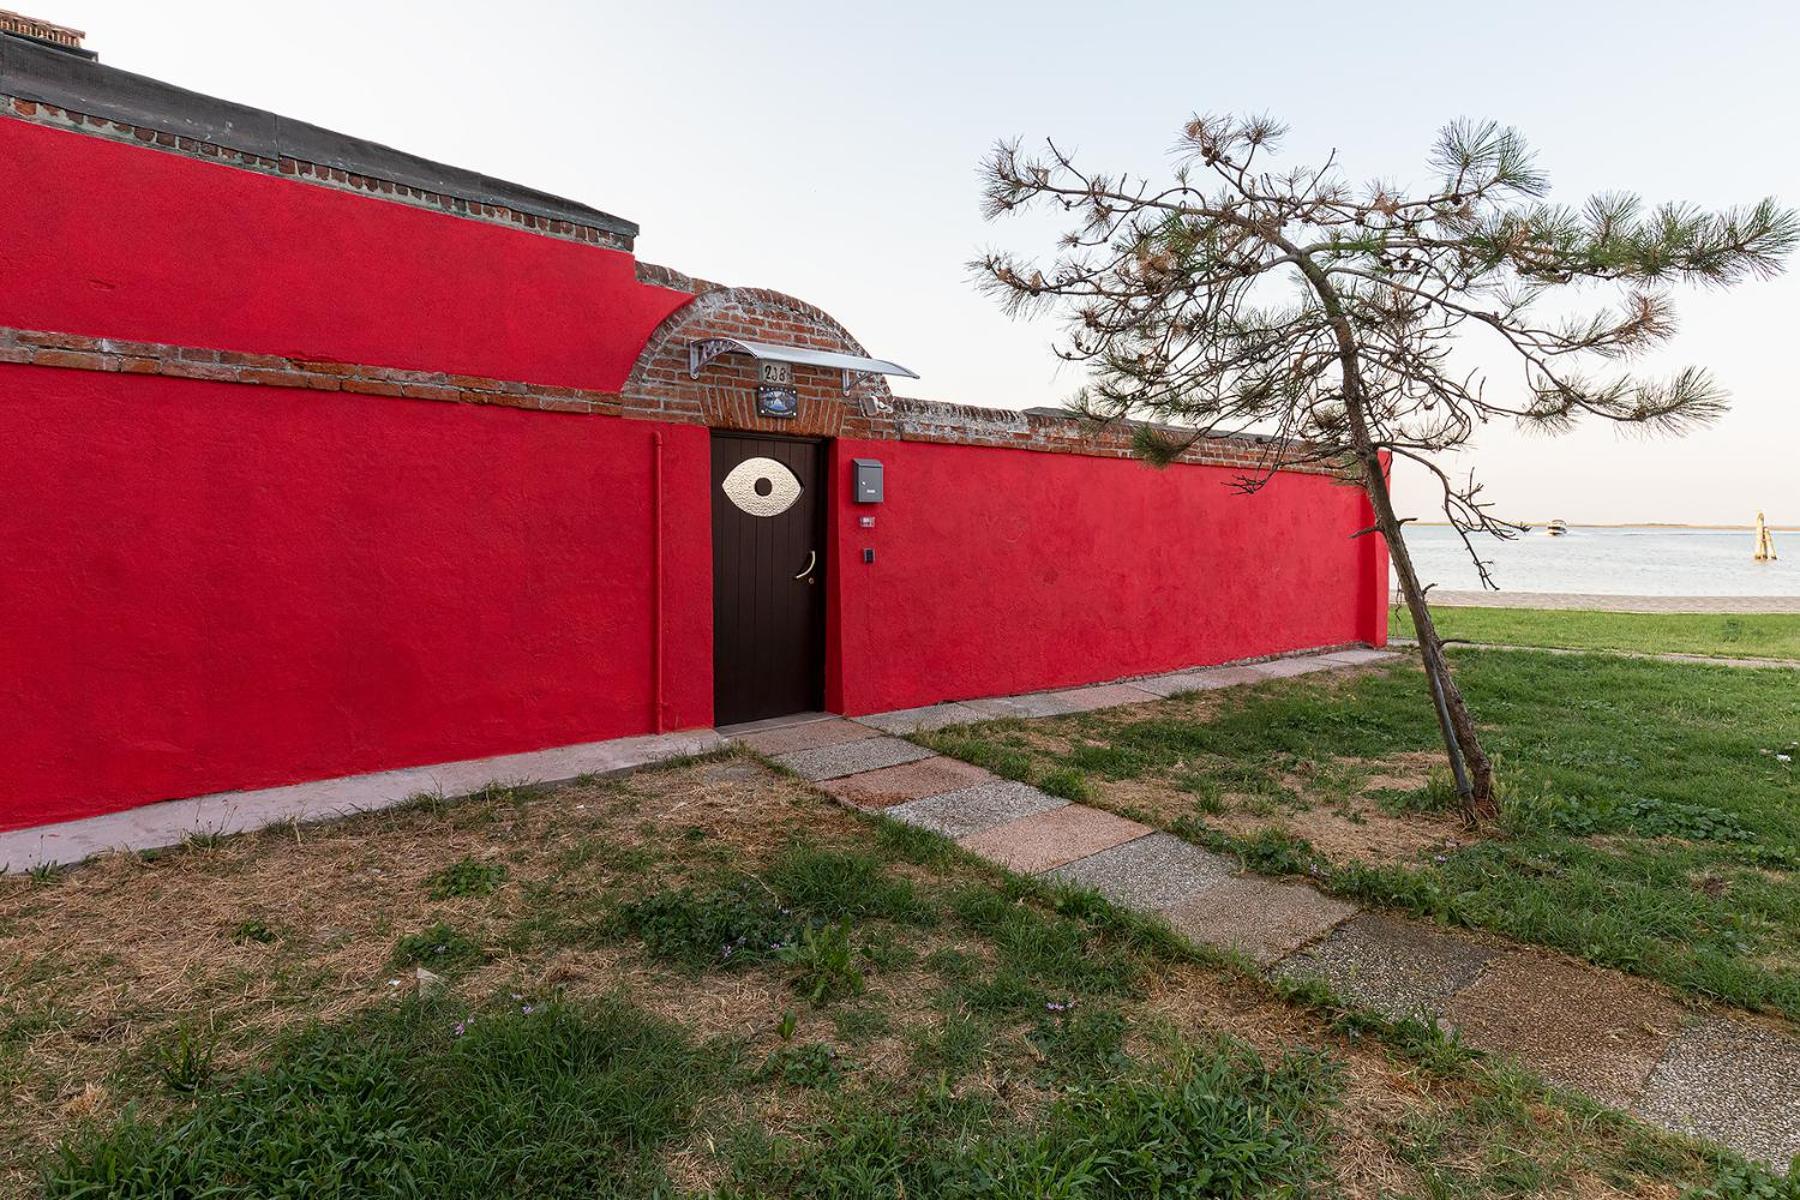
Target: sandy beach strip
{"points": [[1593, 602]]}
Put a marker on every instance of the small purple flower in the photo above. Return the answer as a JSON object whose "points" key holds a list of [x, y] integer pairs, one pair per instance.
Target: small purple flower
{"points": [[460, 1028], [1057, 1006], [528, 1009]]}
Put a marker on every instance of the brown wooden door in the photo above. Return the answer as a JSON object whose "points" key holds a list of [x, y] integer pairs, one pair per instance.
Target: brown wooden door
{"points": [[768, 512]]}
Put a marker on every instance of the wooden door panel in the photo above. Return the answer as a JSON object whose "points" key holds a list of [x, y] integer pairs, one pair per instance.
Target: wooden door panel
{"points": [[768, 625]]}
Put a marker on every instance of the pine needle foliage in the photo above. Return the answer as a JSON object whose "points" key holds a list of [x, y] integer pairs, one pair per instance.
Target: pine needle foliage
{"points": [[1240, 296]]}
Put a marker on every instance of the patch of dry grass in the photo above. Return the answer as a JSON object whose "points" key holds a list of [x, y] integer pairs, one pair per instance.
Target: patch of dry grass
{"points": [[107, 962]]}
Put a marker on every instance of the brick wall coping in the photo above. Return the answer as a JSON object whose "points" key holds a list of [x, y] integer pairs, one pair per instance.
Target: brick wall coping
{"points": [[50, 86], [913, 420]]}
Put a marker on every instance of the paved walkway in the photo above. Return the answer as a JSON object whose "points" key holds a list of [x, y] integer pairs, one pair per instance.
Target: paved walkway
{"points": [[1624, 1041], [1597, 602], [1705, 660]]}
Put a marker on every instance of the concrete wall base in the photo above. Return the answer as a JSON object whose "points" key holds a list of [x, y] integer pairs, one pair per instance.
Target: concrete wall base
{"points": [[169, 823]]}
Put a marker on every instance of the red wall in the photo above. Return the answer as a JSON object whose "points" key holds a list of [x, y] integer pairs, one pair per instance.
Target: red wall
{"points": [[113, 240], [213, 586], [1003, 571]]}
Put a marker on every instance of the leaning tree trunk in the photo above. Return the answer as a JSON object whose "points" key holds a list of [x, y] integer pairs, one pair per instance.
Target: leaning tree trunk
{"points": [[1474, 773], [1468, 761]]}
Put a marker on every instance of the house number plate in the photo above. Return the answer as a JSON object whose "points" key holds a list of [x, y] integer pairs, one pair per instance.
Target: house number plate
{"points": [[776, 374]]}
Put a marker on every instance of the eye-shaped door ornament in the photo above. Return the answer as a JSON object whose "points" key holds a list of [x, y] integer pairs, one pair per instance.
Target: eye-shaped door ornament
{"points": [[761, 487]]}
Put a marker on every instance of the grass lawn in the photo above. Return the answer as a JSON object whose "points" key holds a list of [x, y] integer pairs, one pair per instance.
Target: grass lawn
{"points": [[709, 980], [1719, 635], [1650, 821]]}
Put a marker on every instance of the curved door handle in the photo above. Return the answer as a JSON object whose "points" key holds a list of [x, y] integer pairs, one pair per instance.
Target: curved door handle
{"points": [[812, 557]]}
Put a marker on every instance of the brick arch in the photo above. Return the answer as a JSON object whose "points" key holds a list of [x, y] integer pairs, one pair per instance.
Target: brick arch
{"points": [[724, 396]]}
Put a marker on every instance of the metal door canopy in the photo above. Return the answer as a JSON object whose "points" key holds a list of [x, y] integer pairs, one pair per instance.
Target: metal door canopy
{"points": [[706, 349]]}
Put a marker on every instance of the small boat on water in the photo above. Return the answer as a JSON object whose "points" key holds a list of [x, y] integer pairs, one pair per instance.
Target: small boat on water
{"points": [[1557, 527], [1765, 541]]}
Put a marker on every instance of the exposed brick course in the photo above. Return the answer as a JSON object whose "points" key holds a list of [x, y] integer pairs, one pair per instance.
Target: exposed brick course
{"points": [[723, 396], [81, 352]]}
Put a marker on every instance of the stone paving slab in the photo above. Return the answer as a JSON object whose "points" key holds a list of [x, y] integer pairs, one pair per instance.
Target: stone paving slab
{"points": [[1149, 874], [908, 781], [851, 758], [1595, 1031], [972, 809], [808, 735], [932, 716], [1398, 968], [1733, 1081], [1049, 839], [1105, 695], [1258, 917], [1037, 704]]}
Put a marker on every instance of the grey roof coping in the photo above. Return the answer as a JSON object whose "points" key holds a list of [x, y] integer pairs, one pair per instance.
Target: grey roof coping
{"points": [[31, 70]]}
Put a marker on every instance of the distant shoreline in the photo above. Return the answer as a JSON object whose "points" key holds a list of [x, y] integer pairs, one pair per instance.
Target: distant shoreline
{"points": [[1630, 525]]}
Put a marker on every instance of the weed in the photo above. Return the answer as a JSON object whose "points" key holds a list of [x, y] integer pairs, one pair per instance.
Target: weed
{"points": [[811, 1065], [824, 963], [1437, 796], [860, 1024], [1041, 953], [183, 1061], [432, 801], [253, 930], [504, 791], [1080, 1043], [43, 873], [441, 948], [953, 1049], [735, 925], [835, 884], [1749, 1181], [885, 952], [952, 964], [466, 877]]}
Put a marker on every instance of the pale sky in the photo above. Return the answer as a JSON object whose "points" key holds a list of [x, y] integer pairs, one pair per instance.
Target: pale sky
{"points": [[830, 150]]}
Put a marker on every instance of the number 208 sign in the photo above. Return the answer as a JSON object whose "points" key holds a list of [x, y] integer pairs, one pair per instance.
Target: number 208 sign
{"points": [[775, 395]]}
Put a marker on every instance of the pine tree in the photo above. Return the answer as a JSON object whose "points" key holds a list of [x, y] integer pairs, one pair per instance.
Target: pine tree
{"points": [[1234, 297]]}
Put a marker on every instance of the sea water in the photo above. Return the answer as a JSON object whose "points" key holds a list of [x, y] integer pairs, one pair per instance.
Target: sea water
{"points": [[1618, 561]]}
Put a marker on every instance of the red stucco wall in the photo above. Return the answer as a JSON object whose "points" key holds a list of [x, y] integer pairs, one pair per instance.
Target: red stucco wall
{"points": [[1002, 571], [217, 586], [114, 240], [214, 586]]}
